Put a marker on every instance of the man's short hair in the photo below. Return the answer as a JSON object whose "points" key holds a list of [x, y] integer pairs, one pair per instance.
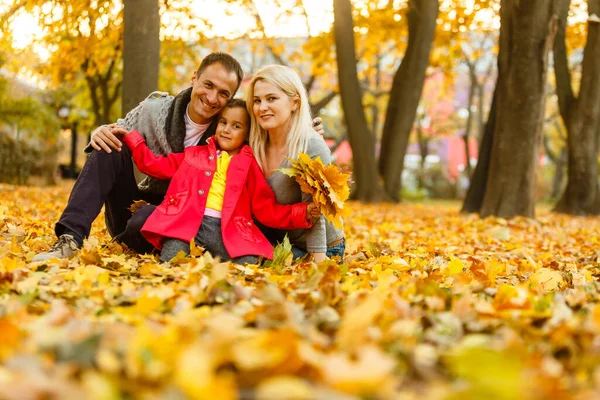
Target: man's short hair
{"points": [[227, 61]]}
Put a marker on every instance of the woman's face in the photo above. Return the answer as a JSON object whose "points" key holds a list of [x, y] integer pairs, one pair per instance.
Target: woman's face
{"points": [[272, 107]]}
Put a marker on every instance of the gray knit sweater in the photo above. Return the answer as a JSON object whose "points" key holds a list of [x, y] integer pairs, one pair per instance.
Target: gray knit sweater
{"points": [[287, 191], [160, 119]]}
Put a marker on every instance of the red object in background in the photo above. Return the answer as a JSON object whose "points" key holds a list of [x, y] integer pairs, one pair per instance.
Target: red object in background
{"points": [[343, 154], [456, 154]]}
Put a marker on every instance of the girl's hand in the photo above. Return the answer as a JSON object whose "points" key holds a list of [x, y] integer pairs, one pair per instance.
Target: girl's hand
{"points": [[119, 131], [312, 212]]}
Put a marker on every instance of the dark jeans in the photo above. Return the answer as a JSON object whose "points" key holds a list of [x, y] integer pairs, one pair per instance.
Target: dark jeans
{"points": [[107, 179], [332, 251], [210, 237]]}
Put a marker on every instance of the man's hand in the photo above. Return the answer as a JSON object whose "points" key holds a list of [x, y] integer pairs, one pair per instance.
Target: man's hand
{"points": [[312, 212], [106, 137], [318, 126]]}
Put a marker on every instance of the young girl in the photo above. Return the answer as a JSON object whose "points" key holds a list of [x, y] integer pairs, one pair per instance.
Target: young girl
{"points": [[214, 193]]}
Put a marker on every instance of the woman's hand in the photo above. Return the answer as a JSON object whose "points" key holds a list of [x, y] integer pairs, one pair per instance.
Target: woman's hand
{"points": [[106, 137], [312, 212]]}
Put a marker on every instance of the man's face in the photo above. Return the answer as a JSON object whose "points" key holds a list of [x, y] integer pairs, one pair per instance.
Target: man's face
{"points": [[210, 92]]}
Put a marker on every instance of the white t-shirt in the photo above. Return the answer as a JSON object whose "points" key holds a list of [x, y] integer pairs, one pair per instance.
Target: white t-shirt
{"points": [[193, 131]]}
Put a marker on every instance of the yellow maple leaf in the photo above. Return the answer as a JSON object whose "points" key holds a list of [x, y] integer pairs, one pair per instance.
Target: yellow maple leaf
{"points": [[328, 185], [547, 279]]}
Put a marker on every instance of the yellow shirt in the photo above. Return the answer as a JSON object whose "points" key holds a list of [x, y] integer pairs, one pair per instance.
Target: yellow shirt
{"points": [[217, 187]]}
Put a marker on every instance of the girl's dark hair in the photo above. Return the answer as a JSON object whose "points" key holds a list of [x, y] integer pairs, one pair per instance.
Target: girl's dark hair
{"points": [[235, 103]]}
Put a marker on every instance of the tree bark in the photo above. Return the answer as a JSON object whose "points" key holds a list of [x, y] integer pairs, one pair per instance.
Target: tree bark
{"points": [[581, 117], [526, 36], [141, 52], [406, 93], [367, 185], [469, 124], [474, 198]]}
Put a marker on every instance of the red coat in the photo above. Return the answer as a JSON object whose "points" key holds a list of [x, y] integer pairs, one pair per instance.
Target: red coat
{"points": [[247, 194]]}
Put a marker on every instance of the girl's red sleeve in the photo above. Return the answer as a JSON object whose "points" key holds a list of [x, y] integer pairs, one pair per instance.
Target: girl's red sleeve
{"points": [[266, 208], [160, 167]]}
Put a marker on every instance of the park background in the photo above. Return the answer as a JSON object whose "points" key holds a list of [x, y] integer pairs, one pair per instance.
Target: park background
{"points": [[493, 294], [420, 102]]}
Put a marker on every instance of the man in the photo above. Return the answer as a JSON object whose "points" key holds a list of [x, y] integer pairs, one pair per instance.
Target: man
{"points": [[169, 124]]}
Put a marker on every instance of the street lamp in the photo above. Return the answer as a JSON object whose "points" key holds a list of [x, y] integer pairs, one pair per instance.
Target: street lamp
{"points": [[64, 113]]}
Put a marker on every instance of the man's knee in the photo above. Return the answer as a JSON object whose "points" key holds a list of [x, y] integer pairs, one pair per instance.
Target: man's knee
{"points": [[114, 156], [139, 217]]}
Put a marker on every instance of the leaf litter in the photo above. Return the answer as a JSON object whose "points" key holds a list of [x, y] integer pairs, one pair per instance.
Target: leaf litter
{"points": [[427, 304]]}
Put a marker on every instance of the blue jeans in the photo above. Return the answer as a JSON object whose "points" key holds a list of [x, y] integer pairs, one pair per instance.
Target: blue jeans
{"points": [[332, 251]]}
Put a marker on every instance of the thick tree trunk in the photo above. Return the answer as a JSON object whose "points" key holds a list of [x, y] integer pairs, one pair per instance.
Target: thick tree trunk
{"points": [[362, 142], [141, 53], [581, 117], [474, 198], [526, 36], [406, 93]]}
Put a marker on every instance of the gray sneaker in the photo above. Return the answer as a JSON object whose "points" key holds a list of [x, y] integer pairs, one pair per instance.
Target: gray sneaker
{"points": [[65, 247]]}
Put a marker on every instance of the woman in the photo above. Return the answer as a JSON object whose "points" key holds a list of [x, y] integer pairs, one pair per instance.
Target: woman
{"points": [[281, 128]]}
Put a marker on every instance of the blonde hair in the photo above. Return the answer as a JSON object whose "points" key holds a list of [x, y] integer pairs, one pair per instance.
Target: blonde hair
{"points": [[301, 129]]}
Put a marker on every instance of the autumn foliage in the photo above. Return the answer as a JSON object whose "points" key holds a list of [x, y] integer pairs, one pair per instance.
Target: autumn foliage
{"points": [[328, 186], [428, 302]]}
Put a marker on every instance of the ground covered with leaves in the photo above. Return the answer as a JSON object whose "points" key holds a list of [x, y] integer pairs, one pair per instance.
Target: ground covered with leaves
{"points": [[428, 304]]}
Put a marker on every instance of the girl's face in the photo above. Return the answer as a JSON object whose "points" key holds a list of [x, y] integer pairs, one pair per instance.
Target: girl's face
{"points": [[232, 129], [272, 107]]}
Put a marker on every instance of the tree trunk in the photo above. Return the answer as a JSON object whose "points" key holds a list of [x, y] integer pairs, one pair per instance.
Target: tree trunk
{"points": [[467, 135], [424, 152], [474, 198], [406, 93], [141, 52], [480, 114], [526, 35], [375, 106], [581, 117], [362, 142]]}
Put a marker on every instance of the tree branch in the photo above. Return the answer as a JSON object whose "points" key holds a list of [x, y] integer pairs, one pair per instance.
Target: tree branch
{"points": [[322, 103], [309, 84], [564, 90], [553, 157], [115, 95]]}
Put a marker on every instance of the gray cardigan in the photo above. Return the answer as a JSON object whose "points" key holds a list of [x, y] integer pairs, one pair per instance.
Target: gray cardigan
{"points": [[160, 119], [287, 191]]}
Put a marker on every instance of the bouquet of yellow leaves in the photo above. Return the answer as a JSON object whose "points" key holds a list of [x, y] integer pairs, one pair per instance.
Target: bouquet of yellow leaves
{"points": [[328, 185]]}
